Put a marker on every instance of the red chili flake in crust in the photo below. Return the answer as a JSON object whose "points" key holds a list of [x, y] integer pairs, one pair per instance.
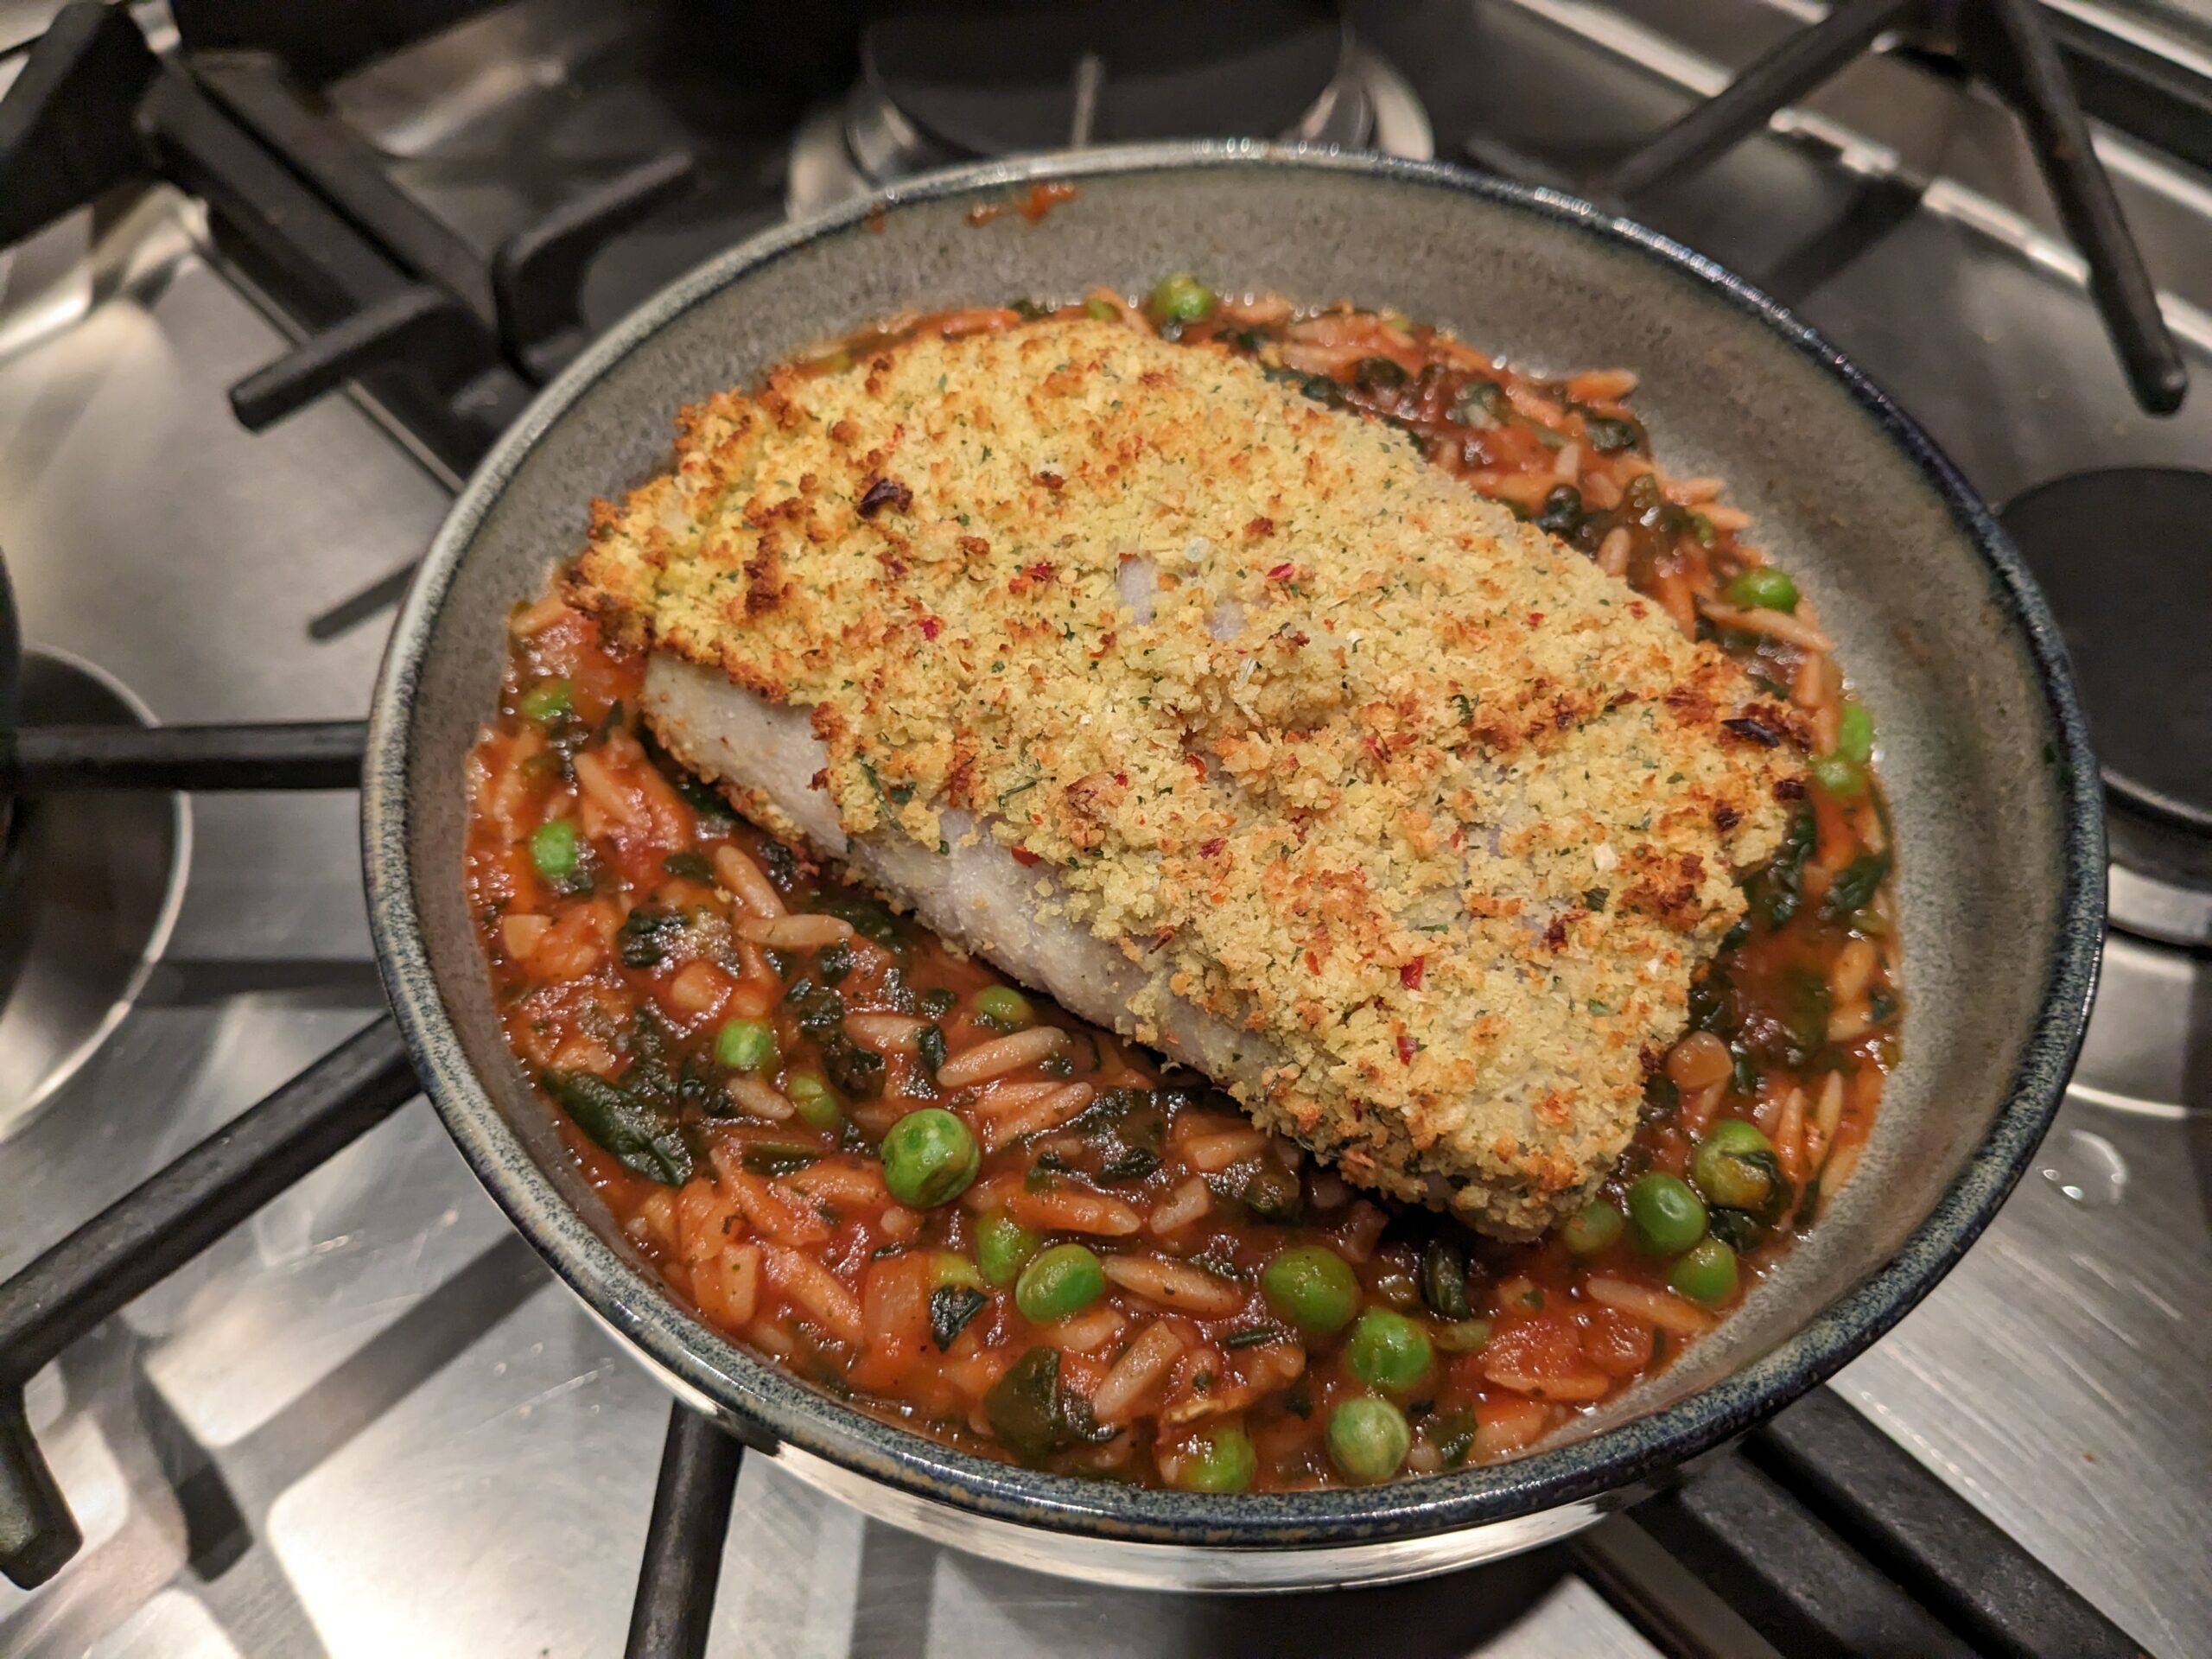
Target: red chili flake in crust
{"points": [[1283, 573], [1410, 973], [1407, 1049], [930, 626]]}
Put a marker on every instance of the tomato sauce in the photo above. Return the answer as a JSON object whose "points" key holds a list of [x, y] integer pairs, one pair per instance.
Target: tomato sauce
{"points": [[1082, 1258]]}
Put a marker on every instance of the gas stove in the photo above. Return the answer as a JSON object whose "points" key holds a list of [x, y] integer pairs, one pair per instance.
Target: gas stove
{"points": [[364, 1418]]}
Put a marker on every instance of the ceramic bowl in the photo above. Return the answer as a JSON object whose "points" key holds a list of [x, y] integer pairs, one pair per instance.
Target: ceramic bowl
{"points": [[1984, 754]]}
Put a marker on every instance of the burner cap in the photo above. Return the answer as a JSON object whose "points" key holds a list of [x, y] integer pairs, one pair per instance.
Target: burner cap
{"points": [[2126, 556], [992, 80], [90, 883]]}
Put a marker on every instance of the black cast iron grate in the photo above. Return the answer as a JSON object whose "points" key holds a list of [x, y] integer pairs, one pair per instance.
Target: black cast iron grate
{"points": [[1818, 1531], [451, 345], [2018, 53]]}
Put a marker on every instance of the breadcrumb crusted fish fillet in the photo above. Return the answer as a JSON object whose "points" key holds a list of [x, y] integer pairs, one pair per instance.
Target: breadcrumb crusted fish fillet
{"points": [[1226, 719]]}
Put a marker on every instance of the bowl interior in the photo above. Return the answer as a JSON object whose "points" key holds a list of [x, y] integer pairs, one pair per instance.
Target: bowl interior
{"points": [[1983, 760]]}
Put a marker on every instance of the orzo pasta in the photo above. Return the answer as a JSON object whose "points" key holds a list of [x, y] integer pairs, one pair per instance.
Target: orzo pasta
{"points": [[922, 1188]]}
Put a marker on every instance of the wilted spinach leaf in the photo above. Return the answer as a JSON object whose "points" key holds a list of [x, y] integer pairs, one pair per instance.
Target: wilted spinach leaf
{"points": [[625, 1125], [1023, 1406], [950, 1308]]}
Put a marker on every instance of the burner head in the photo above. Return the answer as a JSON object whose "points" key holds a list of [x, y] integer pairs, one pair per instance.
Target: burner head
{"points": [[2123, 556], [90, 885], [942, 84], [2126, 556]]}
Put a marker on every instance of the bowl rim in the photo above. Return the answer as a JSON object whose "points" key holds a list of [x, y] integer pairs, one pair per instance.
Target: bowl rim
{"points": [[769, 1408]]}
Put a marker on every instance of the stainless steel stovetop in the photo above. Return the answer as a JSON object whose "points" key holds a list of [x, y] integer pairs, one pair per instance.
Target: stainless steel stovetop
{"points": [[368, 1422]]}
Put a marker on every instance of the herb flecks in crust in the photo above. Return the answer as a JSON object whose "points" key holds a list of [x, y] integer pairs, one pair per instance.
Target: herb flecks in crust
{"points": [[1285, 710]]}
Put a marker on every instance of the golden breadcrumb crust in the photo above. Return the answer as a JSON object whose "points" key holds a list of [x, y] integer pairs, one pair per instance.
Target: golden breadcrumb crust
{"points": [[1352, 757]]}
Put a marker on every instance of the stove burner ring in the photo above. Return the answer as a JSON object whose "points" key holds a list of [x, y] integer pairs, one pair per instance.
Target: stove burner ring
{"points": [[822, 168], [2126, 556], [90, 886], [938, 88]]}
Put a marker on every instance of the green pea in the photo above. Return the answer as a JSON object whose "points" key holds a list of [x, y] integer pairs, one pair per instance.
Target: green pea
{"points": [[1064, 1280], [1734, 1166], [1312, 1288], [1001, 1247], [1736, 1135], [555, 847], [929, 1158], [1221, 1459], [747, 1046], [1367, 1438], [1854, 733], [1003, 1006], [1182, 298], [1101, 311], [1272, 1193], [1705, 1272], [1592, 1229], [547, 700], [1665, 1216], [950, 1268], [1763, 588], [1842, 778], [1462, 1336], [817, 1107], [1387, 1351]]}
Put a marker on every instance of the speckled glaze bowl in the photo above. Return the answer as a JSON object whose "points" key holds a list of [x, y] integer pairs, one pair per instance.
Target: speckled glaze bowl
{"points": [[1997, 813]]}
